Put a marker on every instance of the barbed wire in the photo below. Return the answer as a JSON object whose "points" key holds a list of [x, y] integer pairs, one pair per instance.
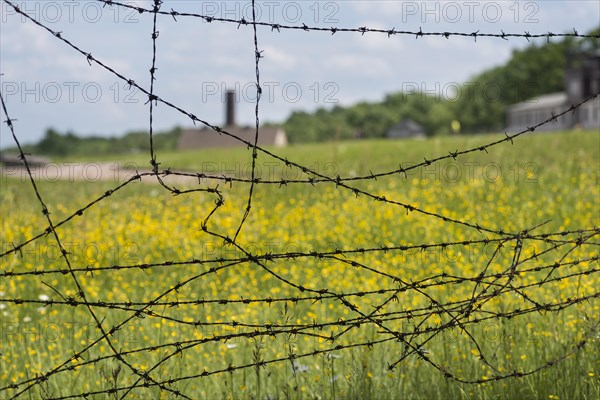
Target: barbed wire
{"points": [[333, 30], [366, 307], [257, 57], [425, 283], [312, 254], [311, 180], [52, 229]]}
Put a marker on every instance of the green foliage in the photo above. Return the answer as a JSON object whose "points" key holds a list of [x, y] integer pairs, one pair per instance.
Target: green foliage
{"points": [[322, 125], [68, 144], [370, 120], [531, 72], [479, 104]]}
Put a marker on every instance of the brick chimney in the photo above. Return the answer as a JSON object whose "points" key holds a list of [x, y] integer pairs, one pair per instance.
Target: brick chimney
{"points": [[230, 108]]}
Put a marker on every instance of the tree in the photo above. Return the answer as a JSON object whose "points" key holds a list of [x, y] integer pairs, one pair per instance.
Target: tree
{"points": [[55, 144], [531, 72], [479, 105]]}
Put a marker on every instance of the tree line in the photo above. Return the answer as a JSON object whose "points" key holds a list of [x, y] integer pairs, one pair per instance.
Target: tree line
{"points": [[475, 106], [59, 144], [479, 105]]}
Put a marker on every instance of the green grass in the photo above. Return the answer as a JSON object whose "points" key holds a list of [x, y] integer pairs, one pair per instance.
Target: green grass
{"points": [[359, 156], [542, 177]]}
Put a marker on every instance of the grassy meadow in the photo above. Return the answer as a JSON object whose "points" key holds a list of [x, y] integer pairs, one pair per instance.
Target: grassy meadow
{"points": [[203, 320]]}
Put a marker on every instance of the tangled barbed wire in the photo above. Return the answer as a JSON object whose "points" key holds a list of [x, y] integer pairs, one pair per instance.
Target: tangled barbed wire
{"points": [[409, 328]]}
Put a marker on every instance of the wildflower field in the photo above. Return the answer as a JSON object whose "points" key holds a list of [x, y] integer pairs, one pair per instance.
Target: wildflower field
{"points": [[327, 292]]}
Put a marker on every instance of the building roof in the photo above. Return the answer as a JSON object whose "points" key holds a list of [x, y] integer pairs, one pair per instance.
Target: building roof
{"points": [[15, 160], [208, 138], [541, 102], [409, 125], [406, 128]]}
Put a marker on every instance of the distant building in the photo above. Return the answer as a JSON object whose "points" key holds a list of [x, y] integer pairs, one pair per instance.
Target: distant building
{"points": [[407, 128], [12, 160], [582, 79], [207, 138], [195, 138], [534, 111]]}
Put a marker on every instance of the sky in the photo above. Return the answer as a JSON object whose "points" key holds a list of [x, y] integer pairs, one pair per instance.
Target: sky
{"points": [[46, 83]]}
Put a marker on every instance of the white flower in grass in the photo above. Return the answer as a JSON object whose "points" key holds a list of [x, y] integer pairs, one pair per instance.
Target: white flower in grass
{"points": [[298, 367], [1, 294], [27, 319], [231, 345], [44, 297], [2, 306]]}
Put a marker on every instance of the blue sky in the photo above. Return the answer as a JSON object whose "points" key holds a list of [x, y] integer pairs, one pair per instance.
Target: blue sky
{"points": [[47, 84]]}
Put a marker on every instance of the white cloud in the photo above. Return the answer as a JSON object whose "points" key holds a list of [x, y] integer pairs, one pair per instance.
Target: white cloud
{"points": [[378, 8], [281, 58], [21, 38], [359, 65]]}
